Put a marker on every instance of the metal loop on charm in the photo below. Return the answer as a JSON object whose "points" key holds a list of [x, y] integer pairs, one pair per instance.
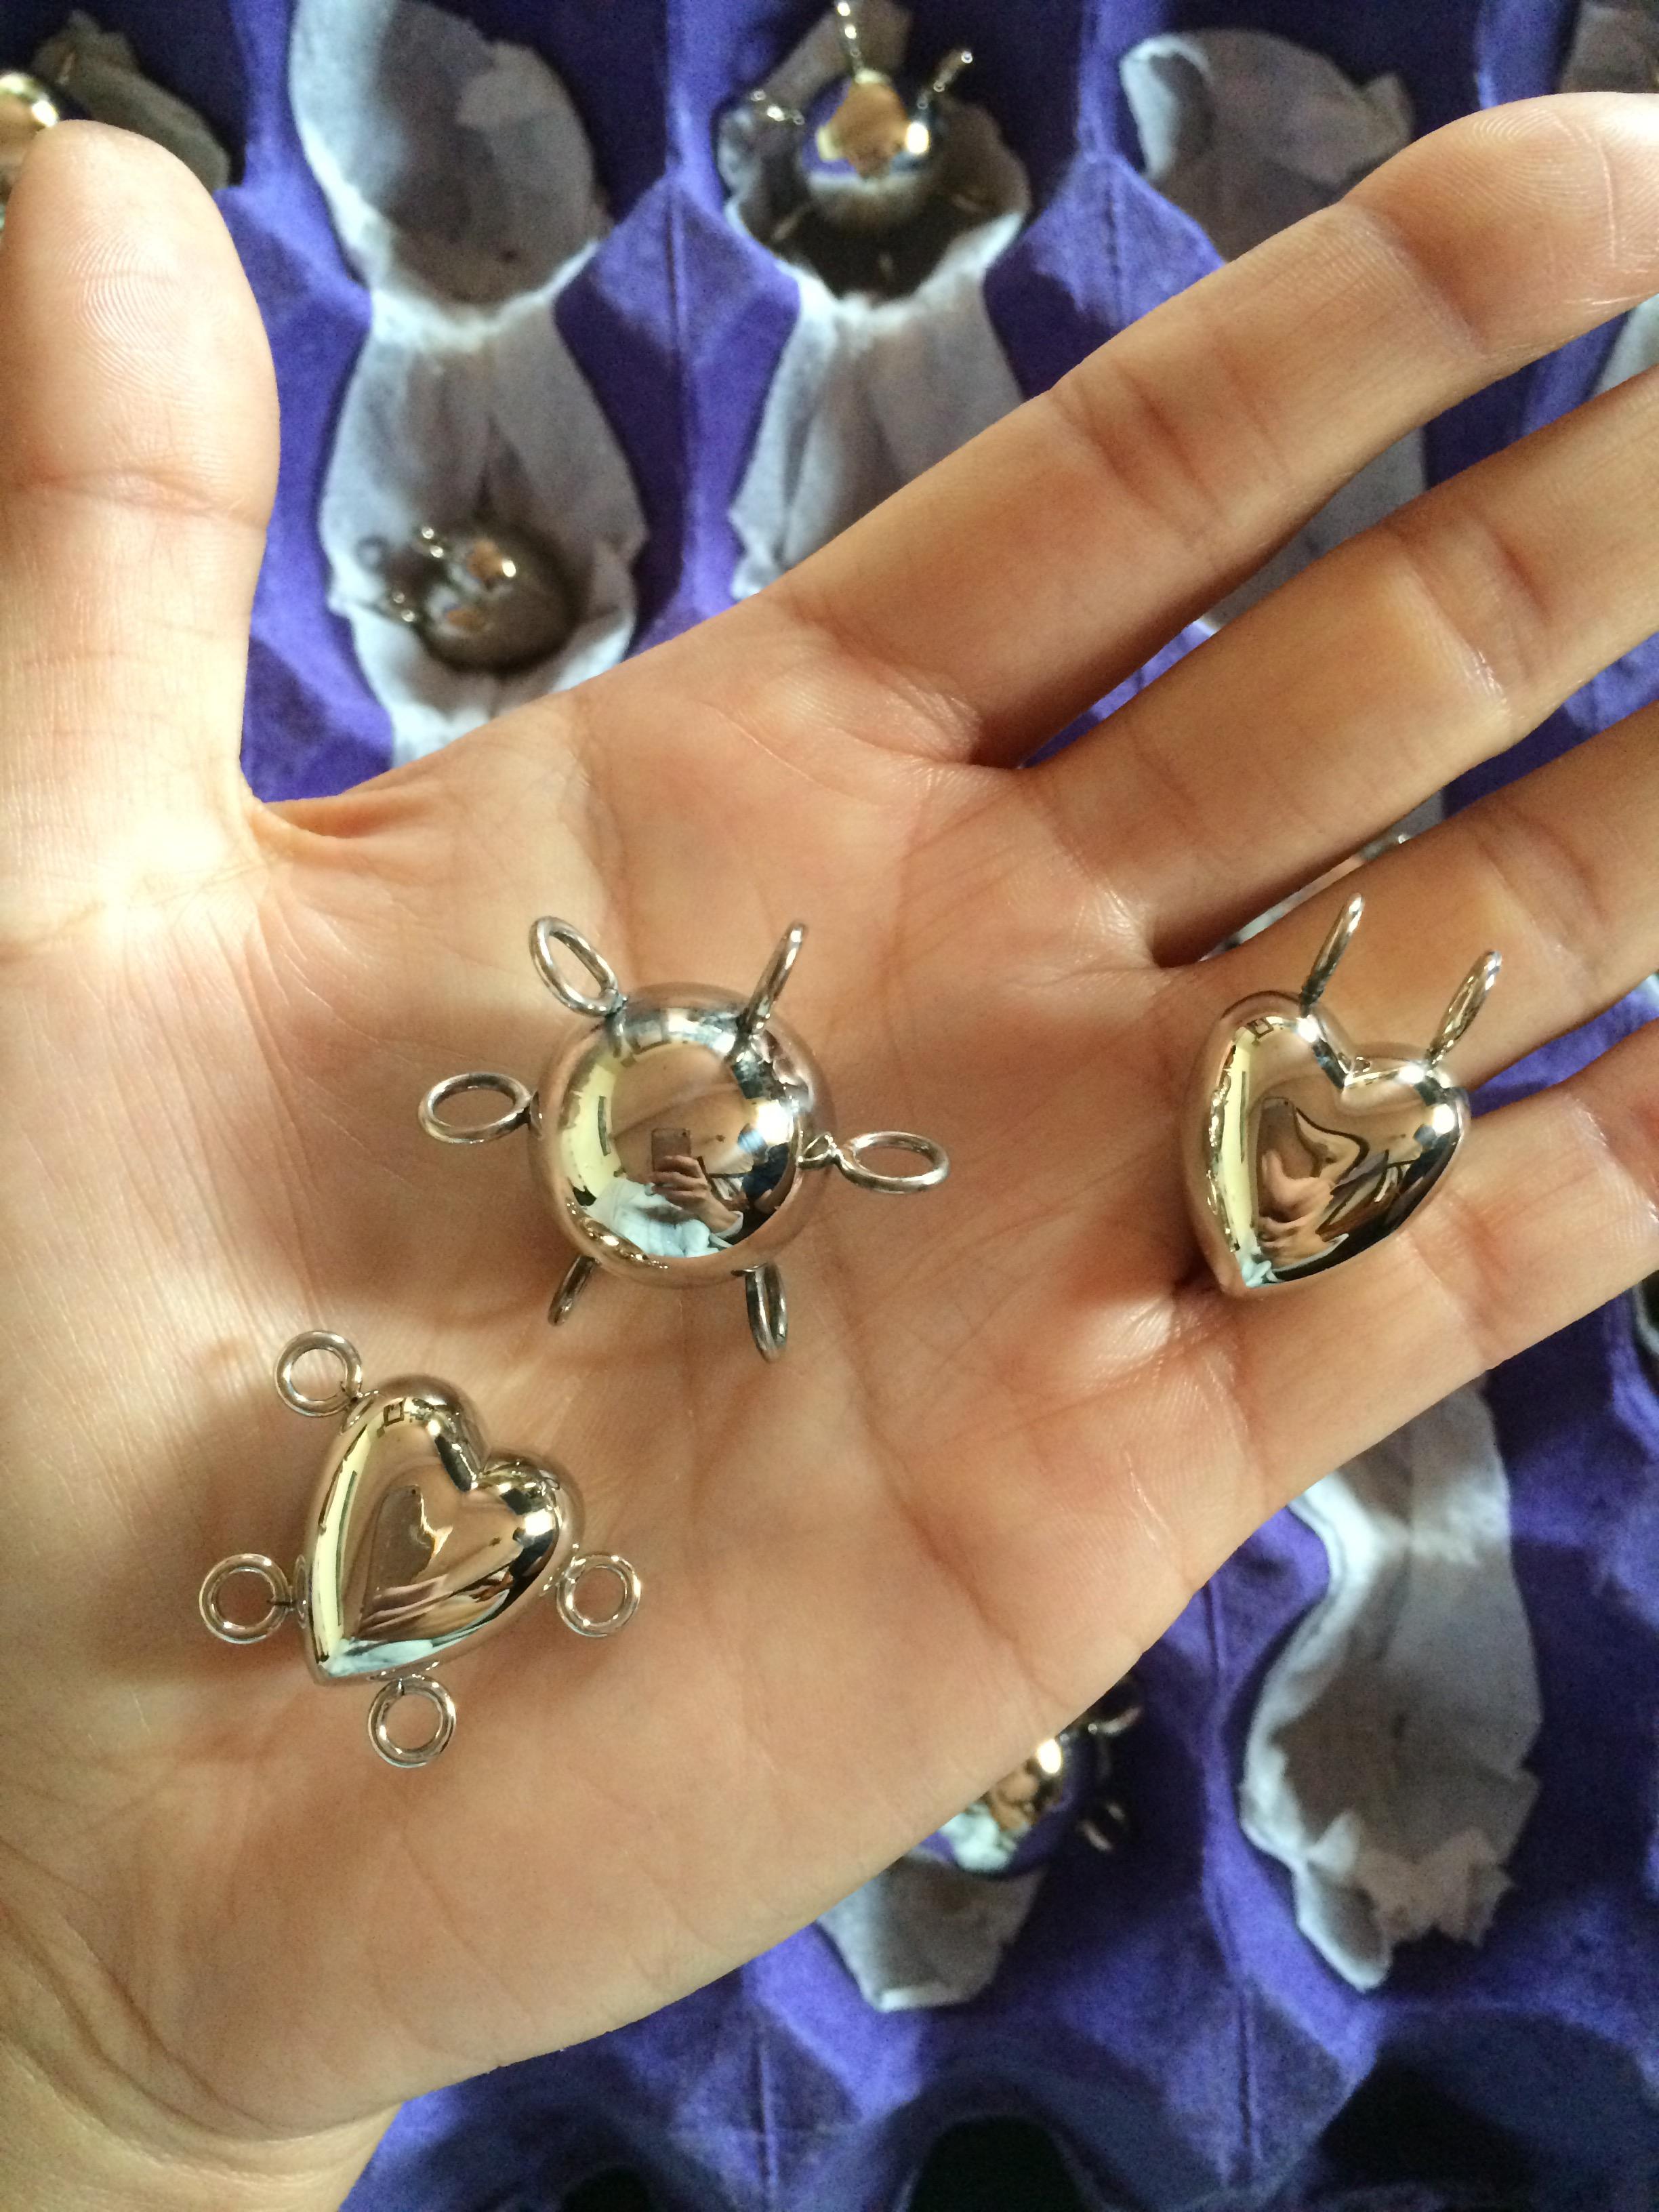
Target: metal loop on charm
{"points": [[390, 1695], [521, 1108], [351, 1373], [547, 933], [852, 44], [1337, 941], [1472, 994], [279, 1596], [849, 1159], [769, 1308], [1119, 1709], [764, 996], [598, 1563]]}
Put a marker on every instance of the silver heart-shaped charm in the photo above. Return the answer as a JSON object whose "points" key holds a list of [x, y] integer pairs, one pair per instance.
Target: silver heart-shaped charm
{"points": [[1305, 1152], [419, 1542]]}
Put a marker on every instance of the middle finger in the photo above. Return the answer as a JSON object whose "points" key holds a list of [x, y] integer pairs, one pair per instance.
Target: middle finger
{"points": [[1429, 642]]}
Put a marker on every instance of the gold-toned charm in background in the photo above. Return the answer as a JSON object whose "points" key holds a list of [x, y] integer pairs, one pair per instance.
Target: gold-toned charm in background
{"points": [[420, 1541], [679, 1140], [1304, 1151]]}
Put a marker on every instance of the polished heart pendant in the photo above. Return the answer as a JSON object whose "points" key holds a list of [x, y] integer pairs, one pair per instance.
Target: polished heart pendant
{"points": [[1304, 1151], [420, 1541]]}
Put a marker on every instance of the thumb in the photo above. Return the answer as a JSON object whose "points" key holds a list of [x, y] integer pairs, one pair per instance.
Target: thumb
{"points": [[137, 462]]}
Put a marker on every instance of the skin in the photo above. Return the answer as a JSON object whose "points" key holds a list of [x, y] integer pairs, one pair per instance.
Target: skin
{"points": [[1016, 1426]]}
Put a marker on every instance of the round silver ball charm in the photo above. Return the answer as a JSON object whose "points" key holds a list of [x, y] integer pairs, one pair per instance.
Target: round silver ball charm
{"points": [[679, 1140], [870, 159], [488, 598]]}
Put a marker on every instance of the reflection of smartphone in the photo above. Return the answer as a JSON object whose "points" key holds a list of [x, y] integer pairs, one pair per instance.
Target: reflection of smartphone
{"points": [[668, 1145]]}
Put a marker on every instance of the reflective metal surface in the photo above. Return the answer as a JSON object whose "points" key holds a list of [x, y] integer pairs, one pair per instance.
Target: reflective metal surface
{"points": [[1061, 1788], [419, 1540], [485, 596], [1306, 1151], [26, 108], [872, 161], [679, 1140], [676, 1145]]}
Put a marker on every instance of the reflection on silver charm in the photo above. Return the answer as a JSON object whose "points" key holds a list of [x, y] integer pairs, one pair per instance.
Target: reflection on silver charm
{"points": [[28, 106], [1303, 1152], [481, 597], [866, 160], [419, 1541], [1065, 1785], [677, 1140], [874, 160]]}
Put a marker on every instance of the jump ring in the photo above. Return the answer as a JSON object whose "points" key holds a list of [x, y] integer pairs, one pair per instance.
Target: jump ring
{"points": [[764, 997], [849, 1159], [550, 931], [388, 1696], [279, 1599], [519, 1111], [351, 1379], [596, 1563], [769, 1308]]}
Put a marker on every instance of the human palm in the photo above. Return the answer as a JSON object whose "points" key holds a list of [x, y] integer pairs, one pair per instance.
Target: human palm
{"points": [[1017, 1425]]}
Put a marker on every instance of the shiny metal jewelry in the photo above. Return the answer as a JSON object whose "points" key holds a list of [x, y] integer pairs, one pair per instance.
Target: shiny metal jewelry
{"points": [[28, 106], [420, 1541], [482, 597], [678, 1140], [1303, 1151], [1064, 1787], [872, 162]]}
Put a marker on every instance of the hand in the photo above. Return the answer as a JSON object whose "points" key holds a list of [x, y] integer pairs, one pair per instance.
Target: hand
{"points": [[684, 1181], [1016, 1426]]}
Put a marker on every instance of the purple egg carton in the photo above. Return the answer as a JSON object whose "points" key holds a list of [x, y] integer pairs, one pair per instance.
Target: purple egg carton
{"points": [[1160, 2015]]}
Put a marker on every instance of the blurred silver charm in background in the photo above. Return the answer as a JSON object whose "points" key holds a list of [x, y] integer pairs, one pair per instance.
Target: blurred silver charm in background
{"points": [[678, 1140], [480, 597], [84, 71], [1304, 1151], [419, 1541], [833, 147], [29, 105], [874, 161], [1064, 1787]]}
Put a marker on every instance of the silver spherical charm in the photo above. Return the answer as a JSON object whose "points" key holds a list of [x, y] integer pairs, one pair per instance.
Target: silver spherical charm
{"points": [[483, 597], [681, 1138], [870, 159]]}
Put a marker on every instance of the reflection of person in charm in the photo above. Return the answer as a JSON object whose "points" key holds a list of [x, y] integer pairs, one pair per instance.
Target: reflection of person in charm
{"points": [[868, 128], [1299, 1167], [710, 1193]]}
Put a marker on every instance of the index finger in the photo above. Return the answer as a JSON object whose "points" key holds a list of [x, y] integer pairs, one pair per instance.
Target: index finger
{"points": [[1025, 576]]}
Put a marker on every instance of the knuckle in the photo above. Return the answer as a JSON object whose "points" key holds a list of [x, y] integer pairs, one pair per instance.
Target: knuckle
{"points": [[1191, 468], [1511, 224], [1485, 598], [1549, 892]]}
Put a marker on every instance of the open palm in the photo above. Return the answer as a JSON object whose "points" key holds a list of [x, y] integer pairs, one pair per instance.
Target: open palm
{"points": [[1017, 1424]]}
